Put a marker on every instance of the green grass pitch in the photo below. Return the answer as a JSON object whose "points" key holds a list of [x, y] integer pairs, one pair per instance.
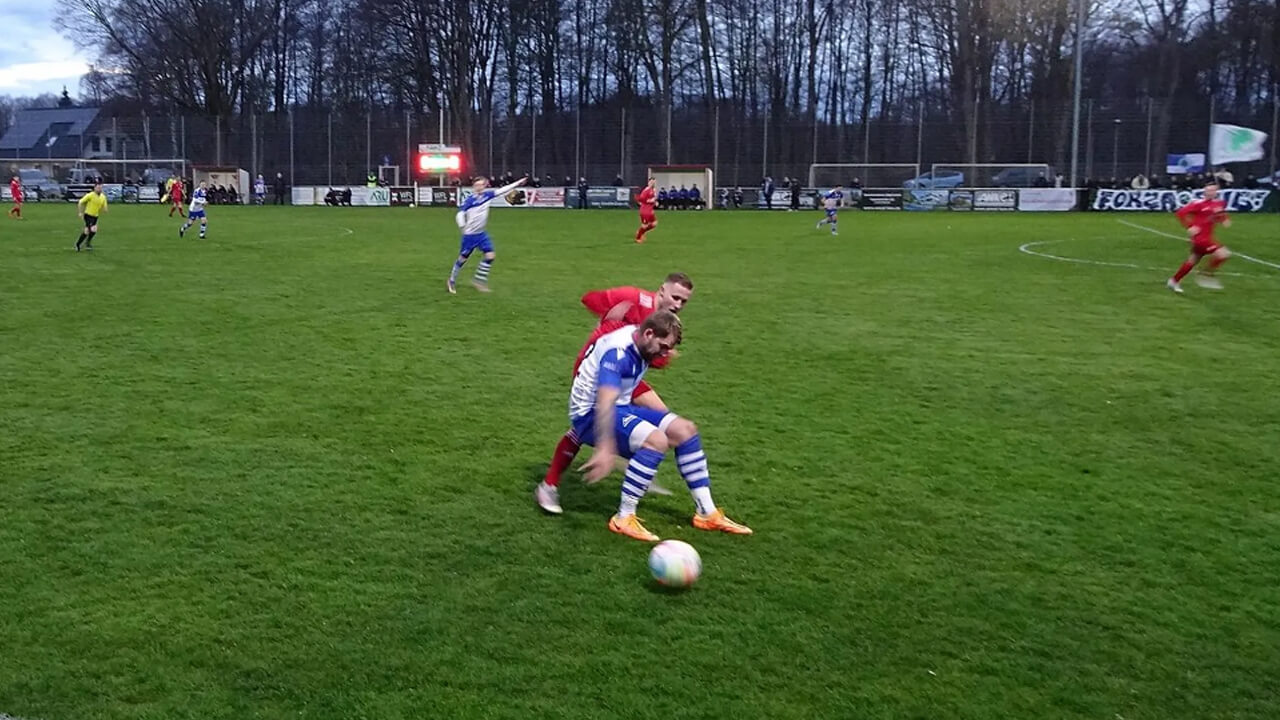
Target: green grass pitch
{"points": [[281, 473]]}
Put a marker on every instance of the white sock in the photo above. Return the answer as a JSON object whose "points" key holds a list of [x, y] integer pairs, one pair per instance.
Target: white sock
{"points": [[702, 499]]}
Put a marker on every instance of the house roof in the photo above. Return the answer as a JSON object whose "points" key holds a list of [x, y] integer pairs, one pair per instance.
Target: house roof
{"points": [[34, 129]]}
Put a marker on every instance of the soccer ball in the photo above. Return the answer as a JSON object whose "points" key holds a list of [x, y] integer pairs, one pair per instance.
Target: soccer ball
{"points": [[675, 563]]}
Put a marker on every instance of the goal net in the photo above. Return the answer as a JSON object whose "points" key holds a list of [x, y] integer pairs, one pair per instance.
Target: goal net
{"points": [[867, 175], [687, 176], [991, 175]]}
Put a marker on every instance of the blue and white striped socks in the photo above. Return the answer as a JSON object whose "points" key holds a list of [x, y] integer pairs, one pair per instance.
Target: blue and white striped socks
{"points": [[635, 483], [457, 268], [482, 272], [693, 468]]}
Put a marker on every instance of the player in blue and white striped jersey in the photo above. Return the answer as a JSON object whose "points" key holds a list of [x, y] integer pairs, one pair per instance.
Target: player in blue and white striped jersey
{"points": [[831, 203], [602, 416], [473, 217], [196, 212]]}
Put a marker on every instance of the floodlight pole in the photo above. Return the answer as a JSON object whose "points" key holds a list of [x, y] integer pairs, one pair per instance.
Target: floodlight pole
{"points": [[1075, 103]]}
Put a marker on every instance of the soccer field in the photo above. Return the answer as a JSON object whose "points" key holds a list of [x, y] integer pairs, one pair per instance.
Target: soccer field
{"points": [[281, 473]]}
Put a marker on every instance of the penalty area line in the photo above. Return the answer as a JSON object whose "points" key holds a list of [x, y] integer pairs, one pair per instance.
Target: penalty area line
{"points": [[1026, 248], [1162, 233]]}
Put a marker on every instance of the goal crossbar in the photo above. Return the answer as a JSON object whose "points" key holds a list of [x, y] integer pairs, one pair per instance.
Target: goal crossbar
{"points": [[909, 170]]}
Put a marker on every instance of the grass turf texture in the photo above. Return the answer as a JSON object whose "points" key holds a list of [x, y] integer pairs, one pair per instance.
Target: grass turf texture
{"points": [[281, 473]]}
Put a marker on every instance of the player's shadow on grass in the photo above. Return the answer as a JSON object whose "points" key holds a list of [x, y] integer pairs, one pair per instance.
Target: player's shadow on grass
{"points": [[658, 588], [601, 499]]}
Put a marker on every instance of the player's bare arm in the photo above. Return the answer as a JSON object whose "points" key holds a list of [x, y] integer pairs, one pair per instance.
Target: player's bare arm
{"points": [[600, 464], [618, 312]]}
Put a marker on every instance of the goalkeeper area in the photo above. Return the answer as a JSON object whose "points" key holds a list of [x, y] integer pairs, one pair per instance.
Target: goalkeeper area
{"points": [[867, 175], [992, 175]]}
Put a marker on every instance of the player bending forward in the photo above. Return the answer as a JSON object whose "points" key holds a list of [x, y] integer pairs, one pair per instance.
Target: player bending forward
{"points": [[648, 198], [196, 211], [473, 218], [831, 203], [615, 307], [1199, 217], [603, 416]]}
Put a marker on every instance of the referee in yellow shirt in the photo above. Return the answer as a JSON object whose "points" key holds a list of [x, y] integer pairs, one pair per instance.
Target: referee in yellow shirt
{"points": [[92, 205]]}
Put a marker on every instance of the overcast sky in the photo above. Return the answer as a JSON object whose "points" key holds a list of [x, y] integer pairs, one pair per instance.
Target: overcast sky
{"points": [[34, 57]]}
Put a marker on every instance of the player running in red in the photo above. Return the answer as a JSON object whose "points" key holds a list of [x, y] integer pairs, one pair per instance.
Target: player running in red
{"points": [[1199, 217], [175, 197], [648, 199], [615, 307], [15, 189]]}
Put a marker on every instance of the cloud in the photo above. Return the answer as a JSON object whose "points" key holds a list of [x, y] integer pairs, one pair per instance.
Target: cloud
{"points": [[36, 58], [23, 76]]}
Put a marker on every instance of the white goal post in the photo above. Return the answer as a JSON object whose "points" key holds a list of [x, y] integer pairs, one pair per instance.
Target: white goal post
{"points": [[868, 175], [674, 176], [992, 175]]}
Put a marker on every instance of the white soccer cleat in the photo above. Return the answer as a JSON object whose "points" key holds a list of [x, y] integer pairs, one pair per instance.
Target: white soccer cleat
{"points": [[1173, 285], [548, 498], [1209, 281]]}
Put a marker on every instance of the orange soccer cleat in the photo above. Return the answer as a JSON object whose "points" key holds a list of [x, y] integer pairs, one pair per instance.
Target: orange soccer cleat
{"points": [[718, 521], [631, 527]]}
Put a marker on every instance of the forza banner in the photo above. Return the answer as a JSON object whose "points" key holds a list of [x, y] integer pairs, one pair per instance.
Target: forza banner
{"points": [[1171, 200]]}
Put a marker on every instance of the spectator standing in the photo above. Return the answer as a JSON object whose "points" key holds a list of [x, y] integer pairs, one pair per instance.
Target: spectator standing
{"points": [[766, 188], [582, 192], [795, 194], [278, 188]]}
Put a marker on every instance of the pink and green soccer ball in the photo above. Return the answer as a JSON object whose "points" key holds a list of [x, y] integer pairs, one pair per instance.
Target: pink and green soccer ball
{"points": [[675, 563]]}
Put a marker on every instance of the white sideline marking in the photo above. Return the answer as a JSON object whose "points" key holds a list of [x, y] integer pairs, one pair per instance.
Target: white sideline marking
{"points": [[1154, 231], [1026, 248]]}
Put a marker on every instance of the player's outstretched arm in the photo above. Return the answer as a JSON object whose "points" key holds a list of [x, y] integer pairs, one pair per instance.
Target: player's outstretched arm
{"points": [[508, 188], [600, 464]]}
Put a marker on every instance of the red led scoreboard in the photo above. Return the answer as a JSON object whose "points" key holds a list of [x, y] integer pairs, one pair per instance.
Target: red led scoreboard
{"points": [[434, 159]]}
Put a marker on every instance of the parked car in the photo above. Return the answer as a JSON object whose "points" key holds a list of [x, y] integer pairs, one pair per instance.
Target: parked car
{"points": [[36, 181], [83, 176], [155, 176], [1022, 177], [930, 180]]}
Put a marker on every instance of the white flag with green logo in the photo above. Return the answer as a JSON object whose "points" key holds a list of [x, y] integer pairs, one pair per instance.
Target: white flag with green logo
{"points": [[1232, 143]]}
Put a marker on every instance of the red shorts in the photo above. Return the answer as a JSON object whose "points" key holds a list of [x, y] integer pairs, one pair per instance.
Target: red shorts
{"points": [[641, 388], [1203, 245], [647, 216]]}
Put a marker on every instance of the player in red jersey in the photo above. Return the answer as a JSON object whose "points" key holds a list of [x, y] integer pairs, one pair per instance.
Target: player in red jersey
{"points": [[15, 189], [615, 307], [648, 199], [175, 197], [1199, 218]]}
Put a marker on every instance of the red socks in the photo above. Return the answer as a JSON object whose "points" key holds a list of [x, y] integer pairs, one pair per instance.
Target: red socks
{"points": [[1182, 271], [566, 451], [1215, 263]]}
